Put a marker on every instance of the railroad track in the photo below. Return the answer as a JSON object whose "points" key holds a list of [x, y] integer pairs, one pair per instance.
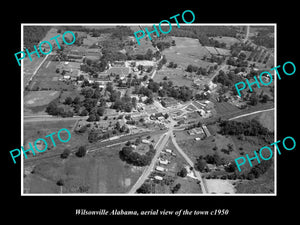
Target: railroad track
{"points": [[93, 147]]}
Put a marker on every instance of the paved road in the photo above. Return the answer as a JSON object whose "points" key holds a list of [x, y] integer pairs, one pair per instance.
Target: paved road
{"points": [[190, 162], [36, 70], [248, 114], [159, 147], [44, 118]]}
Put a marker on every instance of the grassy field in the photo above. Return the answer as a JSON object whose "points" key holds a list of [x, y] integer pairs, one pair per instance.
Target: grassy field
{"points": [[37, 101], [98, 172], [47, 79], [225, 108], [35, 130], [174, 75], [187, 51], [227, 40]]}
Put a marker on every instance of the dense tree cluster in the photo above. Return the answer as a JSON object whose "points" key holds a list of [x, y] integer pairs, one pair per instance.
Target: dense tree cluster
{"points": [[213, 159], [144, 189], [130, 156], [259, 169], [164, 89], [203, 33], [227, 79], [239, 62], [81, 152], [200, 164], [264, 38], [33, 35], [162, 45], [55, 109], [248, 128], [182, 172]]}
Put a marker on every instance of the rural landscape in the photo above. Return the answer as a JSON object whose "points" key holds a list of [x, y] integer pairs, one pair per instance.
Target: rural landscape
{"points": [[163, 117]]}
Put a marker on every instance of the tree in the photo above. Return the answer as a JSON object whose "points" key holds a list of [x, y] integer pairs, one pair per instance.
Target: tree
{"points": [[182, 172], [200, 164], [265, 98], [81, 151], [253, 99], [65, 153], [118, 126], [231, 167], [100, 111], [60, 182], [91, 118], [76, 100], [176, 188], [68, 100], [144, 189], [84, 112]]}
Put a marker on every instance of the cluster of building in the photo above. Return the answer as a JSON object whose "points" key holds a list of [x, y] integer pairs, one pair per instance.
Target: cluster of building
{"points": [[163, 161]]}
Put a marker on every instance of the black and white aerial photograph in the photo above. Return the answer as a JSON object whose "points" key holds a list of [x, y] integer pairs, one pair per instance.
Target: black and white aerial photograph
{"points": [[129, 109]]}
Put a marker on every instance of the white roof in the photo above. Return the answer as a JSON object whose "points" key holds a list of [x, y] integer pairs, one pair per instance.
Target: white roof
{"points": [[158, 178], [159, 168]]}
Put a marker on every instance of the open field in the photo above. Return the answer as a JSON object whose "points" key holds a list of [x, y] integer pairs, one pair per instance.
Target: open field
{"points": [[38, 100], [99, 172], [35, 130], [218, 186], [187, 51], [47, 78], [227, 40], [174, 75], [225, 108]]}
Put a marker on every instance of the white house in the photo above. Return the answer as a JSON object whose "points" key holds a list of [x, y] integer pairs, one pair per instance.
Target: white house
{"points": [[164, 162], [161, 169], [158, 178], [169, 150]]}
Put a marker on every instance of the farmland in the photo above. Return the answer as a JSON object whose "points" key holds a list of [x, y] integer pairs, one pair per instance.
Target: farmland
{"points": [[187, 51], [100, 172], [174, 75], [47, 78]]}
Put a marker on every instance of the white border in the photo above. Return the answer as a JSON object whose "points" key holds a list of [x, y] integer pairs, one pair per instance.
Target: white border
{"points": [[150, 24]]}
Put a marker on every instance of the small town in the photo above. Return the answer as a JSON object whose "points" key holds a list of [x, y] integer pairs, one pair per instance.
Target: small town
{"points": [[159, 117]]}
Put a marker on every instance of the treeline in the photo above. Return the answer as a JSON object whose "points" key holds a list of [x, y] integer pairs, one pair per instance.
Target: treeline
{"points": [[33, 35], [247, 128], [165, 89], [264, 38], [266, 41], [259, 169], [128, 155], [231, 168], [202, 33]]}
